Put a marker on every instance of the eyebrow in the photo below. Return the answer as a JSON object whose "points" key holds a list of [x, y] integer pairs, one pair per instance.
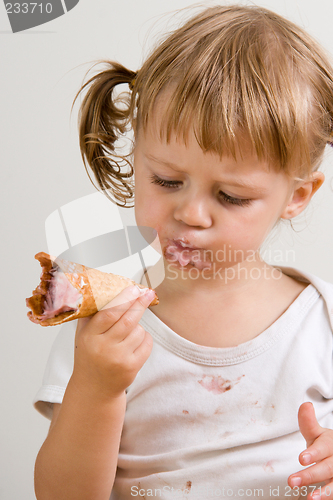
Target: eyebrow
{"points": [[233, 183], [167, 163]]}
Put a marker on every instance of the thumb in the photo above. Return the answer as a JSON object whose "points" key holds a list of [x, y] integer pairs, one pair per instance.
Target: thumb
{"points": [[308, 424]]}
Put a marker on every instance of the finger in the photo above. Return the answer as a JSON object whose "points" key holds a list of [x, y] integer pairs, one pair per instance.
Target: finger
{"points": [[308, 424], [142, 353], [322, 471], [130, 319], [134, 339], [324, 492], [125, 297], [114, 310], [320, 449]]}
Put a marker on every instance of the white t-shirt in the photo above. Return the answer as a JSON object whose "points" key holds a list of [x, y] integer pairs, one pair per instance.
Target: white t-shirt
{"points": [[204, 422]]}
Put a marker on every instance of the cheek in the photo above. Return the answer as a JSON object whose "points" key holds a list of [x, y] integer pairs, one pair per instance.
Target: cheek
{"points": [[141, 212], [250, 229], [148, 209], [142, 198]]}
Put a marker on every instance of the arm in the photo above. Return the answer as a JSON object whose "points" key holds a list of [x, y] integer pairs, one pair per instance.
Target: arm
{"points": [[78, 459], [79, 456]]}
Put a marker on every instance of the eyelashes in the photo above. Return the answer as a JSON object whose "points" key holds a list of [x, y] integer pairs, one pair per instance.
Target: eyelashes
{"points": [[225, 197], [234, 201], [162, 182]]}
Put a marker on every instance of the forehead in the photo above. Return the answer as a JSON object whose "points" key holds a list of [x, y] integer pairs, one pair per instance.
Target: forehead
{"points": [[160, 132], [181, 151]]}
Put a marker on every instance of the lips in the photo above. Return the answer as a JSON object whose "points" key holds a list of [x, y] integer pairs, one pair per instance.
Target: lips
{"points": [[184, 243], [182, 251]]}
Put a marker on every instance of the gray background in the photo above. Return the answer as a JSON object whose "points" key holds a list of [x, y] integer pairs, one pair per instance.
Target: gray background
{"points": [[41, 170]]}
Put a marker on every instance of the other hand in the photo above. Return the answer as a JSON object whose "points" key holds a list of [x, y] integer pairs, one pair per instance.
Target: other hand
{"points": [[319, 451]]}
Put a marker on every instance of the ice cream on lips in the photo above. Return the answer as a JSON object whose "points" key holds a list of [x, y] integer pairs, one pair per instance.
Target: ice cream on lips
{"points": [[180, 250]]}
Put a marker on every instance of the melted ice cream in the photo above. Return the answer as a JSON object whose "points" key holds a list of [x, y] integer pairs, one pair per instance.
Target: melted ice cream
{"points": [[61, 296], [184, 255]]}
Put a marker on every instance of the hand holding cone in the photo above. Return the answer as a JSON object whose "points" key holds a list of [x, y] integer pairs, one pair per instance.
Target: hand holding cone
{"points": [[69, 291]]}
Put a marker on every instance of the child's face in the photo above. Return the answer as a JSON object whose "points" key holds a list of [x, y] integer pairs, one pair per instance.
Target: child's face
{"points": [[210, 203]]}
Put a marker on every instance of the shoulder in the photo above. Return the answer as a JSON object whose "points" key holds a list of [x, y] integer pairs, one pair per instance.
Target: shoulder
{"points": [[324, 288]]}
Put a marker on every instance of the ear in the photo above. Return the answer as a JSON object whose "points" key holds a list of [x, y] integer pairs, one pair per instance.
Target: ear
{"points": [[302, 194]]}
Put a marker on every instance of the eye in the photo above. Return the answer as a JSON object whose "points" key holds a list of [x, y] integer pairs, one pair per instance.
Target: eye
{"points": [[162, 182], [225, 197], [234, 201]]}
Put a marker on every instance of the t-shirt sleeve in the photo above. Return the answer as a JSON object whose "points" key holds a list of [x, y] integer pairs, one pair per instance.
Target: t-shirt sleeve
{"points": [[58, 371]]}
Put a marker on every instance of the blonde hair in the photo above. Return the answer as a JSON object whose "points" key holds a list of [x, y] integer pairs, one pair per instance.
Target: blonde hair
{"points": [[230, 72]]}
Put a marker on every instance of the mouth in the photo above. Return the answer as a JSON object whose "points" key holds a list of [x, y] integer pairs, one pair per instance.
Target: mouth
{"points": [[184, 243], [181, 251]]}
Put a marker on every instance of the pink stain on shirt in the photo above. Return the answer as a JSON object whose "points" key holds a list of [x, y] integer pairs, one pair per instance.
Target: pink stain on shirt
{"points": [[218, 384], [215, 384]]}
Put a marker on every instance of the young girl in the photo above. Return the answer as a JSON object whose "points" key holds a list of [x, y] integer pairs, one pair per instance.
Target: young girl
{"points": [[225, 386]]}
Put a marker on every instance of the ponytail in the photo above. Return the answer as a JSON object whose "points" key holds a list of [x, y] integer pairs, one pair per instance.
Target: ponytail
{"points": [[101, 123]]}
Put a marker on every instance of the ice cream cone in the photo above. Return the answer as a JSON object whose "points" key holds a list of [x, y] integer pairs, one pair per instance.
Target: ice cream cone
{"points": [[93, 288]]}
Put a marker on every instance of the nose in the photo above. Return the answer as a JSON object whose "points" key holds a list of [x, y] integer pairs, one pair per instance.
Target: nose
{"points": [[193, 211]]}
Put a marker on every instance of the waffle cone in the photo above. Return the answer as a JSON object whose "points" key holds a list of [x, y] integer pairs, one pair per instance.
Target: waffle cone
{"points": [[97, 289]]}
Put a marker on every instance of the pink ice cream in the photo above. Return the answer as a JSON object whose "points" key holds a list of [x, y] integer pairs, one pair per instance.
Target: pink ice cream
{"points": [[61, 296], [184, 253]]}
